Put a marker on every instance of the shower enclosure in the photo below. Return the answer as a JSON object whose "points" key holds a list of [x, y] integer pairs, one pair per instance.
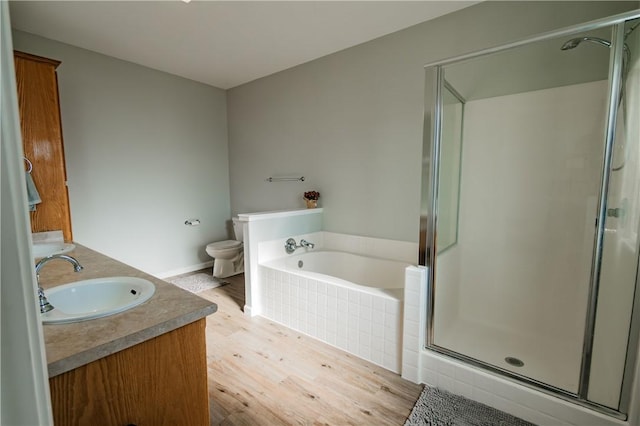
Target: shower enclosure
{"points": [[531, 210]]}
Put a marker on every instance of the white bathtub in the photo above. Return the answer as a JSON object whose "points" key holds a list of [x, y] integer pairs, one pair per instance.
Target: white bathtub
{"points": [[350, 301]]}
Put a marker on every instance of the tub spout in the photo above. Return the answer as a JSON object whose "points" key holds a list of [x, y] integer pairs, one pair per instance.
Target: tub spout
{"points": [[305, 243]]}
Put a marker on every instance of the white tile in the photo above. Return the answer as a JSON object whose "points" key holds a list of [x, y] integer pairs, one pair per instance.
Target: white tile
{"points": [[464, 375], [377, 318], [446, 383], [430, 377], [353, 308], [392, 307], [343, 306], [411, 356], [482, 396], [378, 332], [540, 419], [390, 362], [364, 339], [364, 352], [411, 328], [331, 337], [321, 330], [313, 307], [341, 331], [352, 346], [463, 389], [377, 357], [377, 344], [390, 347], [365, 313], [343, 293], [378, 304], [410, 373], [332, 291], [366, 300], [391, 320], [322, 304], [341, 342], [391, 334], [484, 382], [365, 325], [312, 328]]}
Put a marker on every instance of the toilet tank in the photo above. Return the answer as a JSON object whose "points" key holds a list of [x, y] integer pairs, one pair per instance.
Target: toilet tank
{"points": [[237, 229]]}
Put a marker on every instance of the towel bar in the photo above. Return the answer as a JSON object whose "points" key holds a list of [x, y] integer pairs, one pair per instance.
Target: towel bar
{"points": [[285, 179], [29, 163]]}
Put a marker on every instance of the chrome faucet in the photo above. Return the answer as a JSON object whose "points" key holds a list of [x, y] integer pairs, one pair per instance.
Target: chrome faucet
{"points": [[45, 306], [290, 245], [305, 243]]}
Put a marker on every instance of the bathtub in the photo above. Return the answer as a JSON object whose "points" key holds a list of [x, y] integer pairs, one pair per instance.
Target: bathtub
{"points": [[347, 300]]}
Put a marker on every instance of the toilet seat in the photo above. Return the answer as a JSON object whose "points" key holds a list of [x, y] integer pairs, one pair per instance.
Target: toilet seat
{"points": [[227, 249], [224, 245]]}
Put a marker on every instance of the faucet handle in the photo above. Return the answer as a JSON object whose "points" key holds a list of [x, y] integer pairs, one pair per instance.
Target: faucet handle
{"points": [[290, 245], [45, 306]]}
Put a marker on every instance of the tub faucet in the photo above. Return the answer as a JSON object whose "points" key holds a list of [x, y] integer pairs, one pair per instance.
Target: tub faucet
{"points": [[305, 243], [45, 306], [290, 246]]}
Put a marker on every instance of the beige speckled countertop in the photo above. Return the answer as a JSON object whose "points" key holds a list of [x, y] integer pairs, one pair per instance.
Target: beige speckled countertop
{"points": [[69, 346]]}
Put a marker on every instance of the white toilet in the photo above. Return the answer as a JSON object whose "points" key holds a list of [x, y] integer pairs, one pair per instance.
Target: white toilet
{"points": [[228, 255]]}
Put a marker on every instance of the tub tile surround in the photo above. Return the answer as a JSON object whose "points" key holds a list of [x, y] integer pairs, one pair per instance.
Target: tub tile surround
{"points": [[422, 366], [366, 325], [266, 226]]}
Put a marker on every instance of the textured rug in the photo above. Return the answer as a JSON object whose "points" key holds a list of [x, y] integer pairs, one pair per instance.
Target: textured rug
{"points": [[436, 407], [197, 282]]}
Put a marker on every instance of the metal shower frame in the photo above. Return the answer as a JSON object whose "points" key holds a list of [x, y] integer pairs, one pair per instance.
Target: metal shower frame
{"points": [[434, 83]]}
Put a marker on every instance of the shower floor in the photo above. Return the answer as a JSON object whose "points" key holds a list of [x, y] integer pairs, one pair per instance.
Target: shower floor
{"points": [[555, 362]]}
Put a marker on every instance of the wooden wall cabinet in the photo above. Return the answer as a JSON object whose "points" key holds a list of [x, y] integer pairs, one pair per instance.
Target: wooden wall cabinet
{"points": [[41, 128], [162, 381]]}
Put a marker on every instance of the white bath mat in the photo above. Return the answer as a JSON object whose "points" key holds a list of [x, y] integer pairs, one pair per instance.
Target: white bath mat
{"points": [[197, 282]]}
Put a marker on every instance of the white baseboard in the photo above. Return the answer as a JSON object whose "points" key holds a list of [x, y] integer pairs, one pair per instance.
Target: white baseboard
{"points": [[186, 269]]}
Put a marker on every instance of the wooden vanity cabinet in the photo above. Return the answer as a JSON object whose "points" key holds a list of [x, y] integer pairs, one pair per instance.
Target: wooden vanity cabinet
{"points": [[162, 381], [41, 129]]}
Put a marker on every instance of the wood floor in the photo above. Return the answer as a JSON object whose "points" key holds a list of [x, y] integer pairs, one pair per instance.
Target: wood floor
{"points": [[262, 373]]}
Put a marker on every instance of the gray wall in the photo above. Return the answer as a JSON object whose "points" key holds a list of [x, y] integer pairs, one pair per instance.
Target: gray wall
{"points": [[351, 122], [145, 151]]}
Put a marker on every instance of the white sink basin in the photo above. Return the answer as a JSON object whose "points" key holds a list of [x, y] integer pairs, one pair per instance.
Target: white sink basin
{"points": [[47, 249], [95, 298]]}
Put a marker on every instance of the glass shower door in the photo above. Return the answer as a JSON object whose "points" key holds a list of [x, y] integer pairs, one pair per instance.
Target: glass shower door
{"points": [[512, 290], [619, 264]]}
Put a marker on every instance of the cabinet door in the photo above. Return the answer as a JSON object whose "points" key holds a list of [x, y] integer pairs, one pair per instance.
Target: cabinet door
{"points": [[162, 381], [42, 141]]}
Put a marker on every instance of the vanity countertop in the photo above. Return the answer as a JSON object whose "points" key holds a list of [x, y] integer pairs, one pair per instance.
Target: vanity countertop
{"points": [[69, 346]]}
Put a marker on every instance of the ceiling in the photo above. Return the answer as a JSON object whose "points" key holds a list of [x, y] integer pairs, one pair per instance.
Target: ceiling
{"points": [[221, 43]]}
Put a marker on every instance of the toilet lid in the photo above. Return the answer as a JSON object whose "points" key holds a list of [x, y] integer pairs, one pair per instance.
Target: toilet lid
{"points": [[227, 244]]}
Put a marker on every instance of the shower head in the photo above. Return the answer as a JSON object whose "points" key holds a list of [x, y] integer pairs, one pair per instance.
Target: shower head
{"points": [[574, 42]]}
